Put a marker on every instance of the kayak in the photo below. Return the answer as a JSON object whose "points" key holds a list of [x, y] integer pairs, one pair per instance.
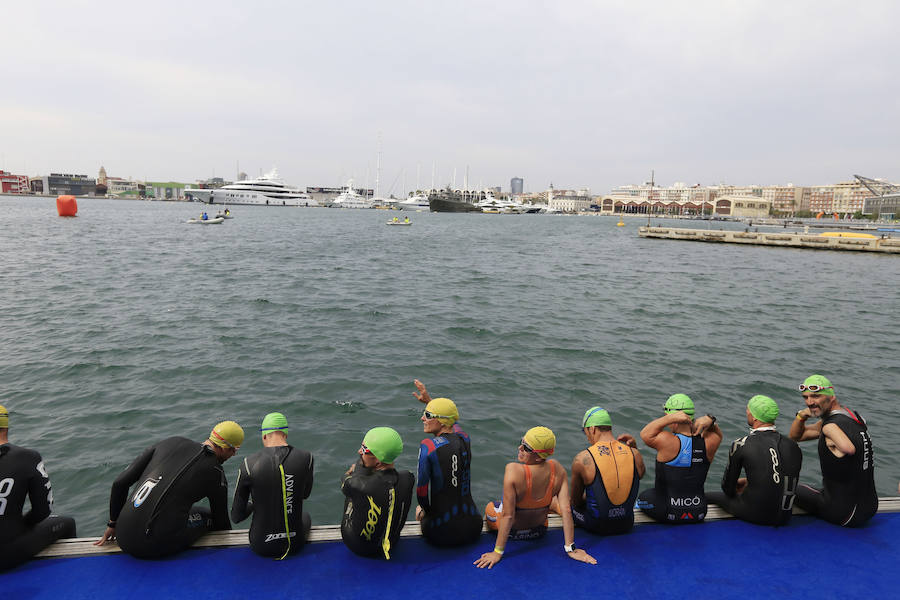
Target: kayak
{"points": [[398, 223], [223, 216], [215, 221]]}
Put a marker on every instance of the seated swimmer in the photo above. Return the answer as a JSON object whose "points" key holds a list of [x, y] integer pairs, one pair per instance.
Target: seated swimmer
{"points": [[205, 216], [529, 486], [377, 496], [771, 462], [406, 220], [22, 474], [159, 517], [448, 514], [605, 477], [847, 496], [278, 477], [682, 462]]}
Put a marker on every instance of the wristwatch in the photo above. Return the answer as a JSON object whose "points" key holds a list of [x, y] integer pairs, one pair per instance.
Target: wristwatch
{"points": [[569, 548], [713, 417]]}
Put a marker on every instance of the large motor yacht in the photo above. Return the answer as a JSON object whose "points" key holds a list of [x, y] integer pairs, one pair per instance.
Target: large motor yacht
{"points": [[416, 201], [266, 190], [350, 198]]}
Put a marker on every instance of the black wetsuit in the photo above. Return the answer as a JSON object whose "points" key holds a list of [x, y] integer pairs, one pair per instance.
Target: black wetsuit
{"points": [[451, 518], [279, 478], [772, 465], [848, 497], [22, 474], [599, 514], [158, 518], [678, 495], [375, 509]]}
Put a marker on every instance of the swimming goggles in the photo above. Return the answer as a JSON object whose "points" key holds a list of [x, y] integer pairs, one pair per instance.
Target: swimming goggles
{"points": [[431, 415], [814, 388], [364, 449], [526, 447]]}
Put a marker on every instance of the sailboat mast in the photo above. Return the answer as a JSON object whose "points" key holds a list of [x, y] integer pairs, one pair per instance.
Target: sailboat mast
{"points": [[378, 166]]}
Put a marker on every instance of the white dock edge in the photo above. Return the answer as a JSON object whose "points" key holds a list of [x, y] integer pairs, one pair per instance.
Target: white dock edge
{"points": [[884, 244], [330, 533]]}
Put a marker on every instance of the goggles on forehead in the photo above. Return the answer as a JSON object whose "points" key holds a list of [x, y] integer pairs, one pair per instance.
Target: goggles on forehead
{"points": [[364, 449], [814, 388], [525, 446]]}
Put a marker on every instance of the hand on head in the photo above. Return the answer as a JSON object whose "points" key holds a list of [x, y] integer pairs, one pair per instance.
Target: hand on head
{"points": [[679, 416]]}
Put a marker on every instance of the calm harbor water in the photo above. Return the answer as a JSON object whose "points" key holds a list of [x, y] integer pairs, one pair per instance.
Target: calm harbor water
{"points": [[124, 326]]}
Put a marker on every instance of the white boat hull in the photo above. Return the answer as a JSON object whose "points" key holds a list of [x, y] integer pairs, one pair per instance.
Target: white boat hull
{"points": [[215, 221]]}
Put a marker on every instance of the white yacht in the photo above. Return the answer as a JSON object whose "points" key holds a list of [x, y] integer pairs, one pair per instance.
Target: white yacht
{"points": [[350, 198], [414, 202], [266, 190], [490, 204]]}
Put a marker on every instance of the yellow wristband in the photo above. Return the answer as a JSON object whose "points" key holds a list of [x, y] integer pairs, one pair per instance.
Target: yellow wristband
{"points": [[799, 417], [498, 550]]}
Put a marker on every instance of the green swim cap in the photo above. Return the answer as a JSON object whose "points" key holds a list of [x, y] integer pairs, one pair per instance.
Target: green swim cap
{"points": [[681, 402], [273, 422], [384, 443], [763, 409], [596, 417], [820, 385]]}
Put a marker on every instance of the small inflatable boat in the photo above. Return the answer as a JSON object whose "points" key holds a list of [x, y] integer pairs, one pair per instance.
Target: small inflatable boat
{"points": [[215, 221], [399, 222]]}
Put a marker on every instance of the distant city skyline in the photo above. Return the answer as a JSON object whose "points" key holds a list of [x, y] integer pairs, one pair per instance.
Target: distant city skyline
{"points": [[581, 94]]}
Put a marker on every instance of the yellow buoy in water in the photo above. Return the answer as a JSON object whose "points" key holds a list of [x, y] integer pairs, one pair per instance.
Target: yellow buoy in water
{"points": [[621, 222]]}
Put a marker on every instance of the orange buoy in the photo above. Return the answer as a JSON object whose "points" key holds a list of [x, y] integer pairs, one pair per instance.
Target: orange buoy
{"points": [[66, 206]]}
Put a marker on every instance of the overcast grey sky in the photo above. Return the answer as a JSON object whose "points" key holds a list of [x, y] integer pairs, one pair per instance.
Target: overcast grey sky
{"points": [[583, 94]]}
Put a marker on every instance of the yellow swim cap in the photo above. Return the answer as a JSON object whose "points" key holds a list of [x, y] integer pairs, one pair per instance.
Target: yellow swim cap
{"points": [[4, 417], [227, 434], [444, 410], [541, 440]]}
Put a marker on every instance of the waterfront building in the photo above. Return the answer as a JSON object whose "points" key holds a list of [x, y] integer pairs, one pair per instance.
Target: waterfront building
{"points": [[124, 188], [516, 186], [745, 206], [56, 184], [569, 200], [13, 184], [885, 207], [165, 190], [787, 199]]}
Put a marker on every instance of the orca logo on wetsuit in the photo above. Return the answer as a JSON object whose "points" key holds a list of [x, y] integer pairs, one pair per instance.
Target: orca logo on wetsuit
{"points": [[6, 487], [372, 515], [776, 476]]}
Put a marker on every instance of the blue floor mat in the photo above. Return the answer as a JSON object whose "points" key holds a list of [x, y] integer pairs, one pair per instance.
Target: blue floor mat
{"points": [[722, 559]]}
